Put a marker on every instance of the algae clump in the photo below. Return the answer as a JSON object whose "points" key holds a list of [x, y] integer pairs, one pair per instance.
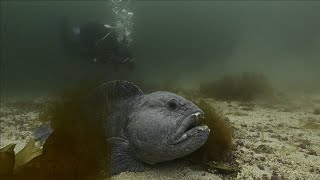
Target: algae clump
{"points": [[219, 143], [77, 148], [216, 154], [7, 160], [247, 86]]}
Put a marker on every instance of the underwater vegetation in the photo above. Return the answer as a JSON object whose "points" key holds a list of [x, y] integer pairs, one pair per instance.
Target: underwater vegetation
{"points": [[219, 143], [7, 160], [247, 86], [75, 150], [216, 154], [316, 111]]}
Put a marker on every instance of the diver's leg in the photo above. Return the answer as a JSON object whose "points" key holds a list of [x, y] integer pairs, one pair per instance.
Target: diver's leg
{"points": [[65, 32], [115, 66], [131, 66]]}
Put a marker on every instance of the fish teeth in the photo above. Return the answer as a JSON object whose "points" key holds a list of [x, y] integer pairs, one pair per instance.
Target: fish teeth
{"points": [[204, 127], [184, 136], [198, 115]]}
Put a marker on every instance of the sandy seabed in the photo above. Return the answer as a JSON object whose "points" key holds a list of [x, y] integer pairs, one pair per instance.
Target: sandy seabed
{"points": [[278, 141]]}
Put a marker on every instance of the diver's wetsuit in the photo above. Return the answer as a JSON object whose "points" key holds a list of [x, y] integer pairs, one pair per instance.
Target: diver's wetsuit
{"points": [[99, 44]]}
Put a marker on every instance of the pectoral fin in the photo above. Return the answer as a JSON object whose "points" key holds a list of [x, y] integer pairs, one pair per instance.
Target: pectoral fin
{"points": [[123, 156]]}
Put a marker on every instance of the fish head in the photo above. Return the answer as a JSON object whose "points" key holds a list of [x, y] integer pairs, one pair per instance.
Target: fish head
{"points": [[164, 126]]}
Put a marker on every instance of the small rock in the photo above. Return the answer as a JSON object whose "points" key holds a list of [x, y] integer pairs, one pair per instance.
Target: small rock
{"points": [[269, 130], [262, 158], [261, 167], [280, 161], [244, 125], [240, 143], [302, 146], [312, 152], [263, 149], [275, 176], [273, 136], [265, 177], [311, 170]]}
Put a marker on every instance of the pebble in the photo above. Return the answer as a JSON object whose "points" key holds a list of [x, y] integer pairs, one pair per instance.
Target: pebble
{"points": [[312, 152], [275, 176], [262, 158], [302, 146], [261, 167]]}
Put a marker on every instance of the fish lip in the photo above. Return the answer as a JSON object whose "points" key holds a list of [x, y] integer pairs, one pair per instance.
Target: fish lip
{"points": [[183, 132]]}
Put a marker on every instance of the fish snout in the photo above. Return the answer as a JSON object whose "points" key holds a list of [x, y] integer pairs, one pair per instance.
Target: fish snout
{"points": [[189, 127]]}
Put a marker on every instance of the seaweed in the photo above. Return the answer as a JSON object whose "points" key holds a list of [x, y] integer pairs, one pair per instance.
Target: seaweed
{"points": [[29, 152], [219, 143], [76, 149], [244, 87], [7, 160], [215, 155]]}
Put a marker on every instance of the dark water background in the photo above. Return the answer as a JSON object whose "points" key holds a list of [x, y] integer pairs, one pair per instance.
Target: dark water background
{"points": [[184, 42]]}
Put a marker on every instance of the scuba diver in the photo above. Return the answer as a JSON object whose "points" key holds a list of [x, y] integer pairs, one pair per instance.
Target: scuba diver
{"points": [[98, 43]]}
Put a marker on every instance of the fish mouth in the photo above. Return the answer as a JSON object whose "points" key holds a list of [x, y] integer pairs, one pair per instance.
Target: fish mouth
{"points": [[190, 127]]}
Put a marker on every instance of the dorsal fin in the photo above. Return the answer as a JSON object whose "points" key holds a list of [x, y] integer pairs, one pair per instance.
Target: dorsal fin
{"points": [[118, 90]]}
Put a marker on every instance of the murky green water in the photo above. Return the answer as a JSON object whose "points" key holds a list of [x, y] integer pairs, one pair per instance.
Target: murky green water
{"points": [[186, 42]]}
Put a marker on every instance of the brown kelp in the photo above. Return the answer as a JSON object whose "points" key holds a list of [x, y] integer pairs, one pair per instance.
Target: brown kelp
{"points": [[7, 160], [244, 87], [77, 149], [219, 143], [216, 154]]}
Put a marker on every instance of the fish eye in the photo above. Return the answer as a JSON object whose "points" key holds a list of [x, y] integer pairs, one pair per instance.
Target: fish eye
{"points": [[172, 104]]}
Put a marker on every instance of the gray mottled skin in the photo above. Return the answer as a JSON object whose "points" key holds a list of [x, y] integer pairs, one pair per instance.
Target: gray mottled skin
{"points": [[146, 128], [149, 128]]}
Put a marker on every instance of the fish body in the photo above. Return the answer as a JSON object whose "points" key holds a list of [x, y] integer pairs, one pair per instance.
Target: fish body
{"points": [[146, 128], [149, 128]]}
